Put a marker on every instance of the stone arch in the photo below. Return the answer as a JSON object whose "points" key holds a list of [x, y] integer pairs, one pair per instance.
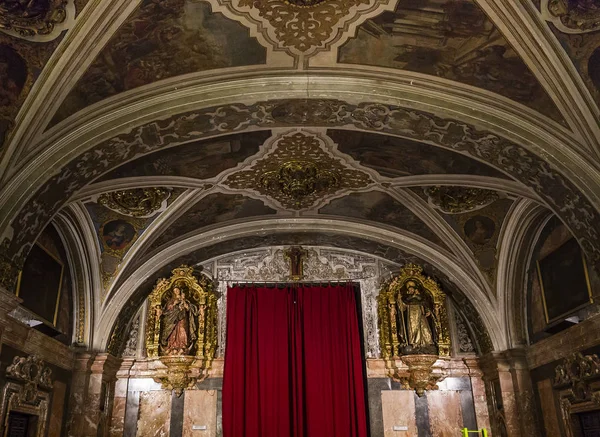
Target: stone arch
{"points": [[362, 238]]}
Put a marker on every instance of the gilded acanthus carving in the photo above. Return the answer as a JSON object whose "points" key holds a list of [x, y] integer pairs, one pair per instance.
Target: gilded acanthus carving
{"points": [[298, 172], [456, 200], [412, 315], [33, 17], [181, 329], [137, 202], [578, 15], [576, 373], [413, 327], [33, 374]]}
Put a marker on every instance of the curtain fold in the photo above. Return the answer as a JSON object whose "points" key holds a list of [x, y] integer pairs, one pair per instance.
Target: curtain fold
{"points": [[293, 363]]}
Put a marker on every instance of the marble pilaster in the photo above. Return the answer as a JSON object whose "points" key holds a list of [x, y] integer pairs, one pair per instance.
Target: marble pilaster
{"points": [[516, 390], [200, 408], [398, 410], [117, 424], [480, 401], [155, 414], [445, 415], [91, 395], [548, 406]]}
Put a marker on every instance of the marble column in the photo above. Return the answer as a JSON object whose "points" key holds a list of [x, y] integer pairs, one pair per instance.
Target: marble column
{"points": [[510, 369], [8, 302], [91, 395], [480, 401], [117, 423]]}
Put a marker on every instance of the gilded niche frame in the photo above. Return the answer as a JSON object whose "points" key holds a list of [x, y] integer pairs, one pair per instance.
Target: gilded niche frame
{"points": [[388, 299], [201, 292]]}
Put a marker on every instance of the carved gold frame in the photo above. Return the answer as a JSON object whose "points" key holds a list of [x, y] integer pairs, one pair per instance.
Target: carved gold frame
{"points": [[202, 293], [387, 299]]}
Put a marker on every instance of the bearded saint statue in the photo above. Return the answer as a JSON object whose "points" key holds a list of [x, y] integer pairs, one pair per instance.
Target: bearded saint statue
{"points": [[416, 321], [178, 327]]}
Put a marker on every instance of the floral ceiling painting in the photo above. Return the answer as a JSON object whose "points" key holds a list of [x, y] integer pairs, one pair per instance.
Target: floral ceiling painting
{"points": [[451, 39]]}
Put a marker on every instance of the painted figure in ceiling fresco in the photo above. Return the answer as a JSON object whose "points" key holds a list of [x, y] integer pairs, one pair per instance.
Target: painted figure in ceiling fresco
{"points": [[117, 234], [416, 324], [12, 75], [480, 229], [24, 8], [178, 328]]}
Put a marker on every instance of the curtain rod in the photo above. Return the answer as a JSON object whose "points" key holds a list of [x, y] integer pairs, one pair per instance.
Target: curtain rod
{"points": [[345, 281]]}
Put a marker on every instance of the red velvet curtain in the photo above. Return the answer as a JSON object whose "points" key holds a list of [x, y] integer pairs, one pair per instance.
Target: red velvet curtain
{"points": [[293, 364]]}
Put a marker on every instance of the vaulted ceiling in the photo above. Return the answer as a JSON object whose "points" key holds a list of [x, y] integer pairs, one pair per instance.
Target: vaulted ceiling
{"points": [[441, 131]]}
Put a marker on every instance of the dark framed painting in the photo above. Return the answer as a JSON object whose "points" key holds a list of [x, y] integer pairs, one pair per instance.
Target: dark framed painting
{"points": [[40, 283], [564, 281]]}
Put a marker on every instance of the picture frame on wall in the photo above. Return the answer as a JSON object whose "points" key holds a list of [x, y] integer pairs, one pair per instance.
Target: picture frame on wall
{"points": [[40, 284], [564, 281]]}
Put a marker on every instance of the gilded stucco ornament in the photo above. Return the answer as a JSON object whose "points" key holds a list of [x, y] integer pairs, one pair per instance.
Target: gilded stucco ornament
{"points": [[34, 17], [301, 28], [413, 327], [137, 202], [297, 172], [578, 15], [456, 200], [181, 328]]}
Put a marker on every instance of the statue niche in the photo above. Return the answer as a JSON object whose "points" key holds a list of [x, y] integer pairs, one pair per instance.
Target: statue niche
{"points": [[413, 327], [181, 329]]}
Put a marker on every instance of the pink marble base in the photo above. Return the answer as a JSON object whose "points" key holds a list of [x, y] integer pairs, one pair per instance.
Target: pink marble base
{"points": [[445, 414], [548, 407], [56, 411], [155, 414], [200, 408], [398, 410]]}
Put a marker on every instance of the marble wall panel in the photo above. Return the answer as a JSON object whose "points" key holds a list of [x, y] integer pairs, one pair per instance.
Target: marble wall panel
{"points": [[155, 414], [445, 415], [399, 410], [548, 407], [59, 393], [200, 408]]}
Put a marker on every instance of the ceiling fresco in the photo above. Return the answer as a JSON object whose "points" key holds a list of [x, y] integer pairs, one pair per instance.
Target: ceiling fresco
{"points": [[198, 159], [214, 208], [576, 24], [382, 208], [21, 63], [396, 157], [452, 39], [163, 39], [480, 230]]}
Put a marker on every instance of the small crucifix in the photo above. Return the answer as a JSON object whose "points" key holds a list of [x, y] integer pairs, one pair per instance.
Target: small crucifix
{"points": [[296, 256]]}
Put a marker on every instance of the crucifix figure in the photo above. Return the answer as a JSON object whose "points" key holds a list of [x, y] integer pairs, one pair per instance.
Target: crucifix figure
{"points": [[296, 256]]}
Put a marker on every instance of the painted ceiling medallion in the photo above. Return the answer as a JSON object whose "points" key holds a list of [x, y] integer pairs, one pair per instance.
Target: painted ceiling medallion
{"points": [[301, 27], [298, 172], [576, 15], [456, 200], [30, 18], [138, 202]]}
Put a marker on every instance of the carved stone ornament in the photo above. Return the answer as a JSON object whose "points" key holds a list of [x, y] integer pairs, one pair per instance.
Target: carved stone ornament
{"points": [[456, 200], [579, 15], [420, 373], [181, 328], [33, 373], [138, 202], [34, 17], [301, 27], [298, 172]]}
